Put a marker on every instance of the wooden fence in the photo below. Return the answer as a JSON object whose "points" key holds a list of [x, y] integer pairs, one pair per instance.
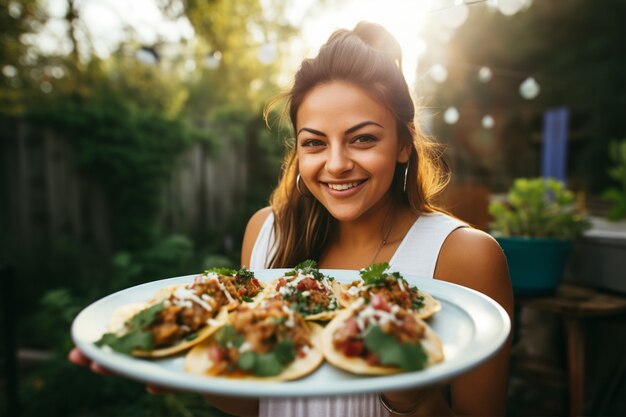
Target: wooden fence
{"points": [[45, 196]]}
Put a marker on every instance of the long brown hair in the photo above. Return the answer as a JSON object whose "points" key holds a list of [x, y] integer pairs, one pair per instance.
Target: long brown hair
{"points": [[371, 58]]}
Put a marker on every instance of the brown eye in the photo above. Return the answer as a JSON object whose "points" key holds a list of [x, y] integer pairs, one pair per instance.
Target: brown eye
{"points": [[310, 143], [364, 139]]}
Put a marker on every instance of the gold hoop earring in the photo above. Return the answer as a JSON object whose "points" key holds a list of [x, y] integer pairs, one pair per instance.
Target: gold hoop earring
{"points": [[406, 174]]}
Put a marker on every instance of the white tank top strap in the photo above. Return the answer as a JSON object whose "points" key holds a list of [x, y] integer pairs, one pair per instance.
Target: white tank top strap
{"points": [[419, 250], [263, 249]]}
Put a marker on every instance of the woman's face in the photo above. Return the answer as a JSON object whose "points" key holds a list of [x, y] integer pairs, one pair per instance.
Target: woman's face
{"points": [[347, 147]]}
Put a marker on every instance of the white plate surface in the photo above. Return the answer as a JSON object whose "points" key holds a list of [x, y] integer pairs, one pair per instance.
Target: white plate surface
{"points": [[471, 326]]}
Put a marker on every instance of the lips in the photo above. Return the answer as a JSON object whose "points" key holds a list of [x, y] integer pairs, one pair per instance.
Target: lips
{"points": [[344, 186]]}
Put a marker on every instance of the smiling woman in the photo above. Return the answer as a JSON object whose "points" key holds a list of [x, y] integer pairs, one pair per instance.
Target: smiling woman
{"points": [[359, 187]]}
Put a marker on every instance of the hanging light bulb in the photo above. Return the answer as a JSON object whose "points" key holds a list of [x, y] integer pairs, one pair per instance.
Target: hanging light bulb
{"points": [[451, 115], [485, 74], [438, 73], [529, 88], [213, 60], [510, 7], [267, 54], [487, 121]]}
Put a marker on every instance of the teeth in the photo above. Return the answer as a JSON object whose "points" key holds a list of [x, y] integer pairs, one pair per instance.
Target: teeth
{"points": [[342, 187]]}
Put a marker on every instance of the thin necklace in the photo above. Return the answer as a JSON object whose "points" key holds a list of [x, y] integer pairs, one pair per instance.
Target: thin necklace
{"points": [[383, 241]]}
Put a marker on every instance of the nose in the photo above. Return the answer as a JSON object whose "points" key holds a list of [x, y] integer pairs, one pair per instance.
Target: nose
{"points": [[339, 160]]}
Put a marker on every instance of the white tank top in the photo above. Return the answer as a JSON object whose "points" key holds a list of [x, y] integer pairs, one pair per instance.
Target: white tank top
{"points": [[416, 255]]}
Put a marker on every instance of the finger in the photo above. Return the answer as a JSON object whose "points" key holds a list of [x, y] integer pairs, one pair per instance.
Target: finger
{"points": [[98, 369], [157, 390], [76, 357]]}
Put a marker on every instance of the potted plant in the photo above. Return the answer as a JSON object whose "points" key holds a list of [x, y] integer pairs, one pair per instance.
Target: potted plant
{"points": [[536, 226]]}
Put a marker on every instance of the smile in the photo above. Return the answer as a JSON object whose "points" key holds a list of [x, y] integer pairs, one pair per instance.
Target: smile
{"points": [[345, 186]]}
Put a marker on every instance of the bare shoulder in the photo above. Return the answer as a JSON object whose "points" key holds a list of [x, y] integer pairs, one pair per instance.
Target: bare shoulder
{"points": [[252, 232], [474, 259]]}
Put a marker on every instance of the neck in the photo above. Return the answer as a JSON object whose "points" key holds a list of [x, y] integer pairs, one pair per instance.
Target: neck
{"points": [[359, 243], [367, 230]]}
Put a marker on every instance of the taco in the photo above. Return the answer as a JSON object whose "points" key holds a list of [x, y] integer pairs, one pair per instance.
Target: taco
{"points": [[267, 342], [393, 287], [229, 286], [373, 337], [307, 291], [167, 324]]}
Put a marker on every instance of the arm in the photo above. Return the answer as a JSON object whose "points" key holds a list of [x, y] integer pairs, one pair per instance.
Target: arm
{"points": [[251, 233], [481, 392], [235, 405]]}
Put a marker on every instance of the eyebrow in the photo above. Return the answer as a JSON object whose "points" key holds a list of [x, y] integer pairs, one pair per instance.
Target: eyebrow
{"points": [[350, 130]]}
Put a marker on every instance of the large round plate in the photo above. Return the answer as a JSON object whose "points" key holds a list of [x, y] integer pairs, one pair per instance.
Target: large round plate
{"points": [[471, 326]]}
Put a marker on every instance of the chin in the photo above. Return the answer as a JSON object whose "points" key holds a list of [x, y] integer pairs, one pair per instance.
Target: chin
{"points": [[345, 215]]}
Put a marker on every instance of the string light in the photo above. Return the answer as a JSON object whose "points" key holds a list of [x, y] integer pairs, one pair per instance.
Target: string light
{"points": [[487, 121], [438, 73], [529, 88], [451, 115], [485, 74]]}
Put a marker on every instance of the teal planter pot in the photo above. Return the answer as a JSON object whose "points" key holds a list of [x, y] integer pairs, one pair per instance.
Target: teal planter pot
{"points": [[535, 264]]}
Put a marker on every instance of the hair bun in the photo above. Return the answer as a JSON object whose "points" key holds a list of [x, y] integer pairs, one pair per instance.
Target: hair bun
{"points": [[379, 38]]}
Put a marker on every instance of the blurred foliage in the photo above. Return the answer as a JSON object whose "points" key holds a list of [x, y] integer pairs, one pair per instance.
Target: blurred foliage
{"points": [[538, 207], [616, 195], [128, 150], [127, 122]]}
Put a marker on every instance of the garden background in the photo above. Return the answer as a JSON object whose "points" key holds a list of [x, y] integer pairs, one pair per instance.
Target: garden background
{"points": [[145, 161]]}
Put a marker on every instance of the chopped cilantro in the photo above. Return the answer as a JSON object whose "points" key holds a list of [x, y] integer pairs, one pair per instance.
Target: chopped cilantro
{"points": [[221, 271], [417, 302], [227, 336], [128, 342], [246, 361], [144, 317], [135, 337], [247, 299], [285, 351], [374, 274], [268, 364], [390, 351], [308, 267], [245, 274]]}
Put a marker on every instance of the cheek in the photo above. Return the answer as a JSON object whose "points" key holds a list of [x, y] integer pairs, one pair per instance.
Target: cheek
{"points": [[308, 165], [381, 165]]}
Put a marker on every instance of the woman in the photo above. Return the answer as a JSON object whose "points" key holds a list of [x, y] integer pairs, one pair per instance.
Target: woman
{"points": [[358, 188]]}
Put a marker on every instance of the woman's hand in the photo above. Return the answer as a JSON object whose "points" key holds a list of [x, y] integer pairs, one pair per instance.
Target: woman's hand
{"points": [[76, 357], [416, 402]]}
